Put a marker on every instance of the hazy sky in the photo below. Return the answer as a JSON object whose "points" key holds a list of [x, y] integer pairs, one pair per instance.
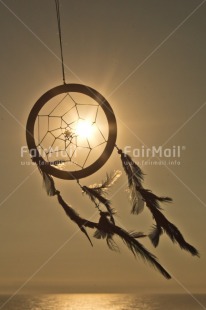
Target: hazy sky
{"points": [[148, 59]]}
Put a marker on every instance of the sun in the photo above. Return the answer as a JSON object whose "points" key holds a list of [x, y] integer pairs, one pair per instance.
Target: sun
{"points": [[84, 129]]}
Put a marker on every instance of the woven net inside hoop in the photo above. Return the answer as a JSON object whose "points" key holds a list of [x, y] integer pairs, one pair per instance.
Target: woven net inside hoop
{"points": [[71, 131]]}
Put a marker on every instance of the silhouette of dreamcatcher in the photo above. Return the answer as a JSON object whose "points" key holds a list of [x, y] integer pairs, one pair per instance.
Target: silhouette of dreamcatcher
{"points": [[71, 132]]}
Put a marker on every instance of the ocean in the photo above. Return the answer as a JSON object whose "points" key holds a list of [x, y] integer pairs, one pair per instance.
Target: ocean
{"points": [[103, 302]]}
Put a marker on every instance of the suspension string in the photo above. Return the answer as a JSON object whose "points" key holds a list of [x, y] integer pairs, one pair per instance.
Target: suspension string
{"points": [[60, 37]]}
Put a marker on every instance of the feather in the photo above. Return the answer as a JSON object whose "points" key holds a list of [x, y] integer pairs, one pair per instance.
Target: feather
{"points": [[127, 168], [171, 230], [136, 235], [162, 224], [99, 234], [155, 235], [48, 183], [112, 244], [95, 196], [152, 202], [151, 198], [105, 222], [110, 180], [131, 169], [136, 199], [74, 216], [139, 195], [107, 183], [133, 245], [105, 229], [135, 177], [137, 172], [139, 250]]}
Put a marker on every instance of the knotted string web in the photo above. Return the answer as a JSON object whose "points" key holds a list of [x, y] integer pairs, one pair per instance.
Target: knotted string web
{"points": [[71, 131]]}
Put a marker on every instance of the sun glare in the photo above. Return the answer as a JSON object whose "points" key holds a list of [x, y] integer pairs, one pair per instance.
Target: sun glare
{"points": [[84, 129]]}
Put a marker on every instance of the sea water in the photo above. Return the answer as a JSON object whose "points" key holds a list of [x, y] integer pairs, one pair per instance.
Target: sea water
{"points": [[103, 302]]}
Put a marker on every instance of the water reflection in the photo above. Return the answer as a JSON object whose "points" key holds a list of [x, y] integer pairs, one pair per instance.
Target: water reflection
{"points": [[76, 302], [103, 302]]}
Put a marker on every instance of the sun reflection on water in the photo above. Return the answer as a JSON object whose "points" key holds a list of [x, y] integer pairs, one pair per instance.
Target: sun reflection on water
{"points": [[101, 302], [92, 302]]}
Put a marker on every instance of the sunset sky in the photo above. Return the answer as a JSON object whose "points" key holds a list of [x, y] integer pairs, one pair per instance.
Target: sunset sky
{"points": [[147, 58]]}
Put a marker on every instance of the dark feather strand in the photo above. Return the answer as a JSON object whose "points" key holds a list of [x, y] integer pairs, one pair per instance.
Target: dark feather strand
{"points": [[127, 169], [131, 169], [139, 250], [94, 195], [74, 216], [151, 198], [112, 244], [133, 245], [135, 177], [171, 230], [48, 183], [136, 199], [155, 235], [136, 235]]}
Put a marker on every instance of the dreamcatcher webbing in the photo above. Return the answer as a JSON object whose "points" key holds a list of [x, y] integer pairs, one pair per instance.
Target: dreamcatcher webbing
{"points": [[106, 227], [61, 132]]}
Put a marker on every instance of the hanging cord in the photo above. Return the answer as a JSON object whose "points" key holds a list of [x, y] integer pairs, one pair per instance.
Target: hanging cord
{"points": [[60, 37]]}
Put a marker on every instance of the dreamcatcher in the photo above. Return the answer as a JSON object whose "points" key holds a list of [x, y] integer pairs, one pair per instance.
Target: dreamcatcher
{"points": [[71, 133]]}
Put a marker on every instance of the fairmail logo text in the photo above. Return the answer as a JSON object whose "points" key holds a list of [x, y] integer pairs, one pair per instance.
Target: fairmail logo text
{"points": [[155, 151]]}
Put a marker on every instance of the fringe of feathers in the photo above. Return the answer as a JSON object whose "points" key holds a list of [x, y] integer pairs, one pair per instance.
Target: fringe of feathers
{"points": [[105, 228], [140, 197]]}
